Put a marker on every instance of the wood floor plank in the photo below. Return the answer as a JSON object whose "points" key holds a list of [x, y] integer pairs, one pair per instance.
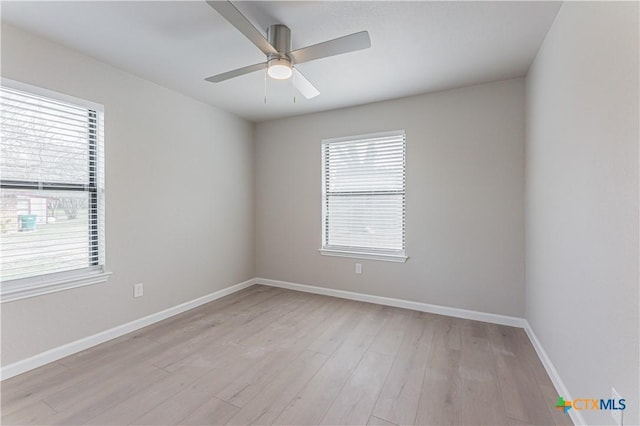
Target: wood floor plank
{"points": [[79, 381], [310, 303], [32, 414], [173, 410], [479, 387], [76, 380], [80, 408], [267, 405], [475, 337], [228, 364], [173, 330], [452, 332], [27, 389], [306, 330], [355, 401], [212, 412], [530, 357], [515, 422], [143, 401], [440, 402], [375, 421], [400, 396], [304, 322], [521, 395], [238, 325], [281, 327], [25, 382], [339, 329], [284, 345], [504, 340], [70, 378], [240, 390], [388, 339], [310, 406]]}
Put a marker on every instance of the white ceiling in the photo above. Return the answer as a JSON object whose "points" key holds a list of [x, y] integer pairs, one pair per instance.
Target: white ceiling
{"points": [[417, 47]]}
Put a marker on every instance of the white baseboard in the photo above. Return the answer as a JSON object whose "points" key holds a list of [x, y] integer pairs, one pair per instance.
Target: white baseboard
{"points": [[562, 390], [399, 303], [87, 342]]}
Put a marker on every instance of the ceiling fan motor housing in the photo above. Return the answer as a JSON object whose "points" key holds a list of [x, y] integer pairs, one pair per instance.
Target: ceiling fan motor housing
{"points": [[279, 36]]}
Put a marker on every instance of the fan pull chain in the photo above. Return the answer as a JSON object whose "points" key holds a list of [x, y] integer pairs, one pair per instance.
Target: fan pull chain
{"points": [[294, 85], [294, 74], [265, 86]]}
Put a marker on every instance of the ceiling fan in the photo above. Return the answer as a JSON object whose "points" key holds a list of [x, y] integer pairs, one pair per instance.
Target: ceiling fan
{"points": [[281, 60]]}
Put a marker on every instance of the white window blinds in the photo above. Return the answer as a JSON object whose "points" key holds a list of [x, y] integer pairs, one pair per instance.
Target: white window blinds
{"points": [[364, 196], [51, 174]]}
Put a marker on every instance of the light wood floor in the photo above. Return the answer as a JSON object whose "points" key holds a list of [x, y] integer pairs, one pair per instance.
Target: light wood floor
{"points": [[267, 355]]}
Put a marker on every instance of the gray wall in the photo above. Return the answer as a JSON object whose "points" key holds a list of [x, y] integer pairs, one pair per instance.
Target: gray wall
{"points": [[465, 199], [179, 211], [582, 201]]}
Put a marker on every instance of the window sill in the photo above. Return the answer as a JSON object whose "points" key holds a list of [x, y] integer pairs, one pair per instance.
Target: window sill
{"points": [[38, 287], [398, 258]]}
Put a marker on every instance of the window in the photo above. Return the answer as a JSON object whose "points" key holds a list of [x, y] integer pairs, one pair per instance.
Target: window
{"points": [[52, 198], [363, 196]]}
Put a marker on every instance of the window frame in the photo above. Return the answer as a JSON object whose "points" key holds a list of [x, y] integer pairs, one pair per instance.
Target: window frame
{"points": [[354, 252], [95, 272]]}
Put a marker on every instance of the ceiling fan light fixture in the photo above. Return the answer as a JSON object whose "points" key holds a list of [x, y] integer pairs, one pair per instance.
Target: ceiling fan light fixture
{"points": [[279, 69]]}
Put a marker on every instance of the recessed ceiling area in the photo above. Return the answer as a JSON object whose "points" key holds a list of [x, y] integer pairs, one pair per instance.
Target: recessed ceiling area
{"points": [[416, 47]]}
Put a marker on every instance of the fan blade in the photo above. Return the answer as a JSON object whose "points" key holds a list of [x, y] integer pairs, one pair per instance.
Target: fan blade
{"points": [[304, 86], [242, 24], [236, 73], [337, 46]]}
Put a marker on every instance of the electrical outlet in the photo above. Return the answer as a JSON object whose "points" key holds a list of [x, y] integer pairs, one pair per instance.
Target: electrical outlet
{"points": [[358, 268], [138, 290], [616, 414]]}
